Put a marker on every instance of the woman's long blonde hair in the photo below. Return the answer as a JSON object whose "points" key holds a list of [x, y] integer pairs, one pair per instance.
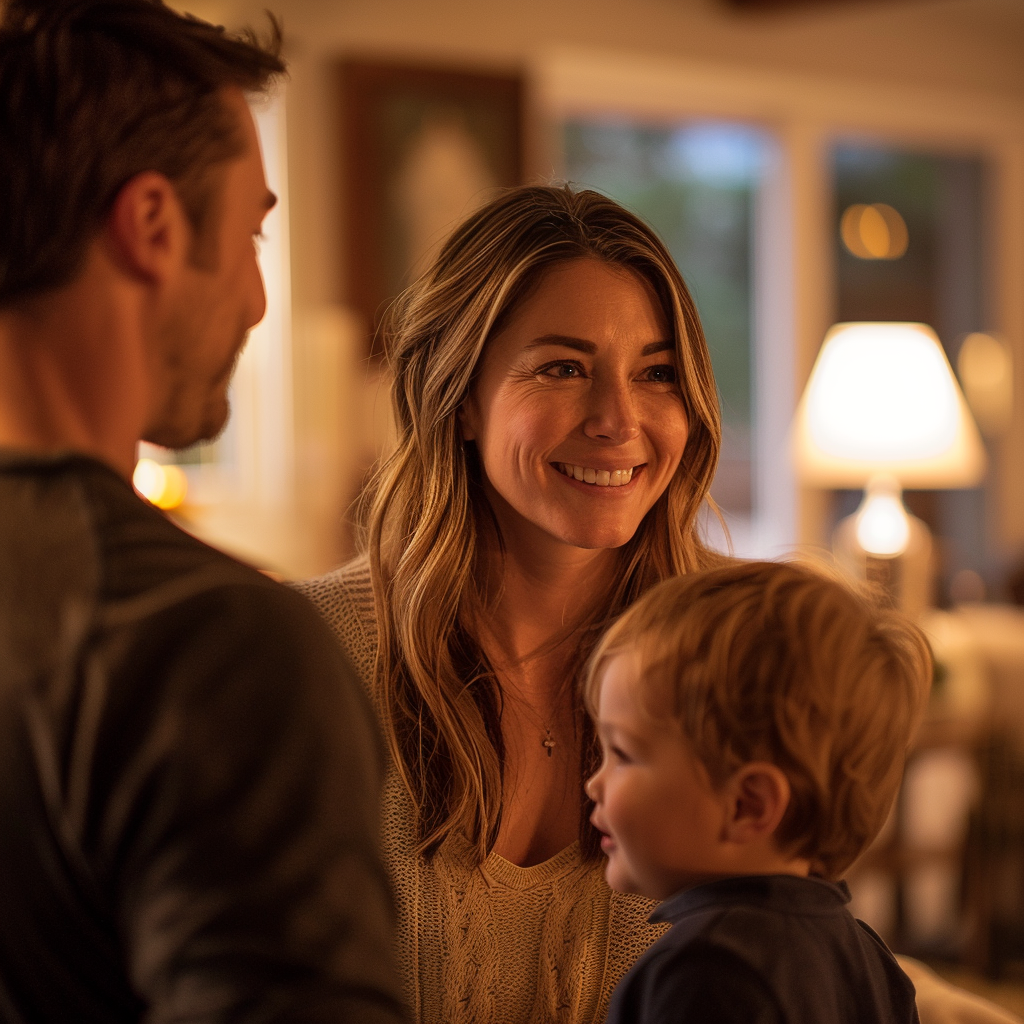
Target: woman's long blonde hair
{"points": [[424, 508]]}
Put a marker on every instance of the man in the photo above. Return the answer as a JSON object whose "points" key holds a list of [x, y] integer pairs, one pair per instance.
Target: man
{"points": [[188, 771]]}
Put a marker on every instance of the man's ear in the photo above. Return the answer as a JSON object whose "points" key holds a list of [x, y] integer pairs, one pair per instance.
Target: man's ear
{"points": [[759, 795], [147, 228]]}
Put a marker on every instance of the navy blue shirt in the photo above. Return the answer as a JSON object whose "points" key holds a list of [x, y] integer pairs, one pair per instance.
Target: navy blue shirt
{"points": [[764, 949]]}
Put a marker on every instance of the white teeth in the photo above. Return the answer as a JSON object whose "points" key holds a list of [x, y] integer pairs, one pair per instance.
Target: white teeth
{"points": [[598, 477]]}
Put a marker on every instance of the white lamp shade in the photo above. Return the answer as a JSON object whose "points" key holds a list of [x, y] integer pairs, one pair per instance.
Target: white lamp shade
{"points": [[882, 399]]}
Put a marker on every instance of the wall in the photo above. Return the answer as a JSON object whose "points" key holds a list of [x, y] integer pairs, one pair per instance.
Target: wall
{"points": [[973, 45]]}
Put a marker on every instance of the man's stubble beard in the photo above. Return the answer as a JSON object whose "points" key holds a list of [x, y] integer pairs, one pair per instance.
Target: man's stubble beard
{"points": [[183, 424]]}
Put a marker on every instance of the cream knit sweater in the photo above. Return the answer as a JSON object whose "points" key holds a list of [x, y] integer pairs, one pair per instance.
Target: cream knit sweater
{"points": [[495, 944]]}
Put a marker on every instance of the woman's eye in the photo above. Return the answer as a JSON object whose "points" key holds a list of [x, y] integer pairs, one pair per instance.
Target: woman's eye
{"points": [[564, 371], [663, 374]]}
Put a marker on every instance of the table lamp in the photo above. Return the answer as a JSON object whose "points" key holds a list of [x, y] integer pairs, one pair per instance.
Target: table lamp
{"points": [[883, 411]]}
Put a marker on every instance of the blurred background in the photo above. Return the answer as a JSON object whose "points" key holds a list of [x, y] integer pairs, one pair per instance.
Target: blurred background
{"points": [[807, 162]]}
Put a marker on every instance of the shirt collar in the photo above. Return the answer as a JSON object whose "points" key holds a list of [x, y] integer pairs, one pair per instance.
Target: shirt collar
{"points": [[787, 893], [28, 459]]}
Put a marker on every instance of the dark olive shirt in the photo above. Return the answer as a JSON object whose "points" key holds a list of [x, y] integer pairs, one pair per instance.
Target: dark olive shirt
{"points": [[764, 949], [189, 777]]}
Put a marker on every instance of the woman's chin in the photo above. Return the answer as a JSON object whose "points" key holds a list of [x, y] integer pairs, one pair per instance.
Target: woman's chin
{"points": [[597, 538], [591, 533]]}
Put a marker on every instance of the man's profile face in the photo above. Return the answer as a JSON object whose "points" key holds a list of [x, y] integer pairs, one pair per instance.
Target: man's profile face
{"points": [[199, 342]]}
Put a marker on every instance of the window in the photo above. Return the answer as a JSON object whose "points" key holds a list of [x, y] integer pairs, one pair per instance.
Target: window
{"points": [[695, 183], [926, 265]]}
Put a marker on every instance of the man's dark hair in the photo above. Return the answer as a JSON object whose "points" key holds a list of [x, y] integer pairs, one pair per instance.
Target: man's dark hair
{"points": [[94, 92]]}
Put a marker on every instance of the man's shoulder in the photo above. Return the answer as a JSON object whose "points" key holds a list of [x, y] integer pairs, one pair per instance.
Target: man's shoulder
{"points": [[142, 549], [76, 503], [75, 531], [215, 639]]}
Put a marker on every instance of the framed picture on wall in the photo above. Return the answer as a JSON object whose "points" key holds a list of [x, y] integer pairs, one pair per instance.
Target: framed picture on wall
{"points": [[423, 147]]}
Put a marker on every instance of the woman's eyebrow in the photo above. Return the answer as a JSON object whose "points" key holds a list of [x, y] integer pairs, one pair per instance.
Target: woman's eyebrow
{"points": [[582, 345], [565, 341], [657, 346]]}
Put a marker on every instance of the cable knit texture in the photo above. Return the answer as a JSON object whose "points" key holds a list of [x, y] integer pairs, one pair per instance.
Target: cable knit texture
{"points": [[496, 944]]}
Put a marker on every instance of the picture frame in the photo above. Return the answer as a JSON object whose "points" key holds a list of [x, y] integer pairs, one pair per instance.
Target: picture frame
{"points": [[423, 147]]}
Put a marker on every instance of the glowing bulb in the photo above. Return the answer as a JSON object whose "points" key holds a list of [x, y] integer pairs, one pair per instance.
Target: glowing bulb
{"points": [[163, 486], [882, 525]]}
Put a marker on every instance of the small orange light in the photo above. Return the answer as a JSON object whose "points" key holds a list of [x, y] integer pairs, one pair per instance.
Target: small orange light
{"points": [[163, 486], [875, 232]]}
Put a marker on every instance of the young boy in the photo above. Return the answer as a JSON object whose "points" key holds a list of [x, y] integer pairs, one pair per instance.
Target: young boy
{"points": [[754, 722]]}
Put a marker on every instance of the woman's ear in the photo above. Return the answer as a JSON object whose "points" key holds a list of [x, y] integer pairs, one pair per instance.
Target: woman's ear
{"points": [[759, 795], [467, 419]]}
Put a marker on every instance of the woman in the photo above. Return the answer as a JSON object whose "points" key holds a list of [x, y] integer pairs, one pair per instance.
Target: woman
{"points": [[552, 343], [558, 431]]}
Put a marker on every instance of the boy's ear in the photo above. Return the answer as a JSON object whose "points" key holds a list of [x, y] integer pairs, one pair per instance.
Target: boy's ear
{"points": [[759, 794]]}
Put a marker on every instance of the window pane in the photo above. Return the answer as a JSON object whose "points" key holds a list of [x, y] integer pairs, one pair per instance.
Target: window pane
{"points": [[695, 185], [936, 276]]}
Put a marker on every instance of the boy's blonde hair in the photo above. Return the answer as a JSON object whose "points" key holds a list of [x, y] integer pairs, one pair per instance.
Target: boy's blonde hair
{"points": [[767, 661]]}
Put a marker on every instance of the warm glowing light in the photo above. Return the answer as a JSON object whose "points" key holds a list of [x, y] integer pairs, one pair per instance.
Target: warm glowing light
{"points": [[882, 398], [875, 232], [883, 528], [864, 407], [163, 486], [985, 368]]}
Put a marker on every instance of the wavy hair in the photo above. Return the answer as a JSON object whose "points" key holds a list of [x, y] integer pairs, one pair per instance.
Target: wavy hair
{"points": [[425, 508]]}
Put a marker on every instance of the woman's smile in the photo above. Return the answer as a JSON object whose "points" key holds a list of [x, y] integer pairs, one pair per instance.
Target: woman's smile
{"points": [[597, 477], [621, 482]]}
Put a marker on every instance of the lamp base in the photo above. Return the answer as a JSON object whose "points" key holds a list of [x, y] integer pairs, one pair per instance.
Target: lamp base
{"points": [[906, 579]]}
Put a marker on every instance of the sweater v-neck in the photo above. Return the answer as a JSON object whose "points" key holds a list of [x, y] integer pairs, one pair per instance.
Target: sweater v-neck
{"points": [[523, 877]]}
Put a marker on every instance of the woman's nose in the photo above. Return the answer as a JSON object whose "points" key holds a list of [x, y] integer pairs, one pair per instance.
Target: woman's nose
{"points": [[612, 414]]}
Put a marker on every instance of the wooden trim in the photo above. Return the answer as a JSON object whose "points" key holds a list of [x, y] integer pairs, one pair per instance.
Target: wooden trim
{"points": [[578, 81]]}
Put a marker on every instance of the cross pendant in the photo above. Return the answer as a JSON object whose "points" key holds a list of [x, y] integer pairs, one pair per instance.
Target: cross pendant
{"points": [[548, 742]]}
